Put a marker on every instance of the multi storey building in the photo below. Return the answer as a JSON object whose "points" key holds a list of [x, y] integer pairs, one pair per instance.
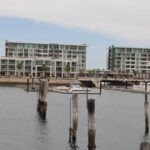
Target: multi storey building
{"points": [[33, 55], [129, 60]]}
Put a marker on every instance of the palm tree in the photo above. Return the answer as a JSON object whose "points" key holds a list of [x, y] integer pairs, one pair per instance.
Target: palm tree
{"points": [[97, 72], [119, 73], [81, 72], [94, 72], [67, 70], [19, 67], [127, 73], [134, 73], [44, 69], [90, 72], [123, 73]]}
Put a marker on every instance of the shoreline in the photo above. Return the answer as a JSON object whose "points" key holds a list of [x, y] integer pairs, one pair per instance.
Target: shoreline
{"points": [[23, 81], [126, 90]]}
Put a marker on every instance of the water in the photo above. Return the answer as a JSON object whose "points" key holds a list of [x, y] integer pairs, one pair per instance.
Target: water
{"points": [[119, 121]]}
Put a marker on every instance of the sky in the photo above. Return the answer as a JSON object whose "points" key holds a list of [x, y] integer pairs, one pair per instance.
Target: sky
{"points": [[98, 23]]}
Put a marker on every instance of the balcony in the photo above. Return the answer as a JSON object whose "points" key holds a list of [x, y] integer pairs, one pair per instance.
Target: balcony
{"points": [[11, 69], [27, 70], [3, 69], [58, 65], [12, 63], [4, 63], [29, 65]]}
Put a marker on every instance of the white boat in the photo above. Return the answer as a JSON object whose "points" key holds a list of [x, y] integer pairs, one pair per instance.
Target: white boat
{"points": [[77, 88], [141, 86], [64, 88]]}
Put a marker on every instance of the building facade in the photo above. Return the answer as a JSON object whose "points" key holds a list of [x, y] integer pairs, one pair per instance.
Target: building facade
{"points": [[33, 55], [129, 60]]}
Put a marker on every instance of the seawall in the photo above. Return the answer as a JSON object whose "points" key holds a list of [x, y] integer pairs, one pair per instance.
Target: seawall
{"points": [[23, 81]]}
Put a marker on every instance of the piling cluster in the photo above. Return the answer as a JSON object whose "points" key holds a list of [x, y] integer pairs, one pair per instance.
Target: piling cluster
{"points": [[74, 122], [42, 108]]}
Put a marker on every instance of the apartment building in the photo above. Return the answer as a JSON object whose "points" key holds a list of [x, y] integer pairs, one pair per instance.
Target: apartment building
{"points": [[128, 59], [33, 55]]}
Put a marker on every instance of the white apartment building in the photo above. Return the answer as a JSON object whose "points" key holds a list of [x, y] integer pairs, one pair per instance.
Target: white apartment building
{"points": [[128, 59], [34, 55]]}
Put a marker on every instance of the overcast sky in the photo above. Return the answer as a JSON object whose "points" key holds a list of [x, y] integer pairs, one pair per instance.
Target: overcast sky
{"points": [[98, 23]]}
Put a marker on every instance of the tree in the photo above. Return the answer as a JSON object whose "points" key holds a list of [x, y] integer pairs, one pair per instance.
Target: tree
{"points": [[81, 72], [134, 73], [19, 67], [119, 73], [67, 70], [44, 68], [94, 72], [123, 73], [97, 72], [127, 73], [90, 72]]}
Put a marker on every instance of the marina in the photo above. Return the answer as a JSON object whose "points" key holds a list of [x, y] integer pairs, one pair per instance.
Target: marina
{"points": [[116, 119], [74, 75]]}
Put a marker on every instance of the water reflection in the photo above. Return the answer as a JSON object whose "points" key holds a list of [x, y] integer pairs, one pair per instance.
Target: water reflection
{"points": [[41, 133], [42, 121], [73, 147], [145, 145]]}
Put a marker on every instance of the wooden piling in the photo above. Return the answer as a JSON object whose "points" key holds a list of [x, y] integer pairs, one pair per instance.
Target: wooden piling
{"points": [[33, 85], [126, 85], [87, 93], [145, 86], [42, 104], [100, 87], [74, 117], [28, 85], [91, 124], [144, 146], [70, 128], [146, 114]]}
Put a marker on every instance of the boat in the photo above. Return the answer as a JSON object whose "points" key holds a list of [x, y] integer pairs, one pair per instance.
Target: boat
{"points": [[141, 86], [77, 88], [63, 88]]}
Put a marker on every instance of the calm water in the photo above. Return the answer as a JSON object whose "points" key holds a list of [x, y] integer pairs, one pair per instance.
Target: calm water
{"points": [[119, 121]]}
